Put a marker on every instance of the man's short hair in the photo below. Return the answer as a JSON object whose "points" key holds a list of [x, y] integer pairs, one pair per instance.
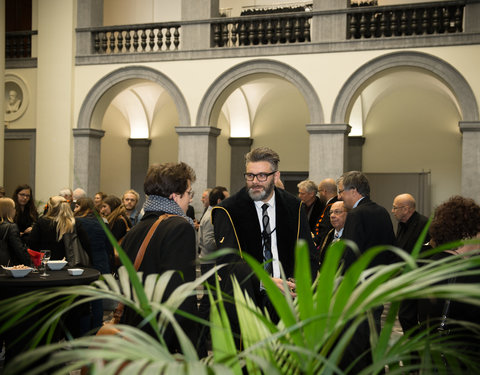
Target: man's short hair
{"points": [[308, 185], [263, 154], [357, 180], [65, 192], [79, 193], [167, 178], [131, 191], [218, 192]]}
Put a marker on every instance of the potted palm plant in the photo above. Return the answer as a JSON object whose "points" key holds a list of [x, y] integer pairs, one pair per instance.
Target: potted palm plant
{"points": [[314, 329]]}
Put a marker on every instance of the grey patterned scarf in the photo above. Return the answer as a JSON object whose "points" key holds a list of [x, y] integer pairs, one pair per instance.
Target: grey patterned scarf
{"points": [[162, 204]]}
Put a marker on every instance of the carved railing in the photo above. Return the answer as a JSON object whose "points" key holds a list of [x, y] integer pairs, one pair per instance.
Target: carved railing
{"points": [[136, 38], [393, 21], [18, 44], [262, 30]]}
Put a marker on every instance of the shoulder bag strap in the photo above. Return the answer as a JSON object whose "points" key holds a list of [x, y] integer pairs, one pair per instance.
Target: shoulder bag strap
{"points": [[146, 241], [117, 314]]}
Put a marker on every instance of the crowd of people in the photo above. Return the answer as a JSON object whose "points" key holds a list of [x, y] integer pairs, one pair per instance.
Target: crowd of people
{"points": [[262, 219]]}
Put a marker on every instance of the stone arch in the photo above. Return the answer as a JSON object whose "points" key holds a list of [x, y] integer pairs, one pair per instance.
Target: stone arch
{"points": [[254, 67], [440, 68], [88, 133], [126, 73]]}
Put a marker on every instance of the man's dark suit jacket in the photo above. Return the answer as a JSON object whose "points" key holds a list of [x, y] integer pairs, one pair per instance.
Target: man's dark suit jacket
{"points": [[408, 233], [368, 225], [317, 210], [323, 225], [236, 226]]}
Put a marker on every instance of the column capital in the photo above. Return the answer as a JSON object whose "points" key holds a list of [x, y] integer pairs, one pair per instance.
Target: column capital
{"points": [[198, 130], [469, 126], [240, 142], [139, 142], [88, 132], [328, 128]]}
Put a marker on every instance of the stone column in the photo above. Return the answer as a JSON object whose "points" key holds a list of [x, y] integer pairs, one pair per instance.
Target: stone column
{"points": [[86, 165], [329, 27], [139, 163], [198, 35], [355, 156], [239, 147], [328, 150], [470, 159], [197, 146], [89, 14]]}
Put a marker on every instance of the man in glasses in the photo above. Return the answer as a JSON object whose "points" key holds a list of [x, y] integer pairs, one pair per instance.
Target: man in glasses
{"points": [[338, 215], [368, 224], [263, 221]]}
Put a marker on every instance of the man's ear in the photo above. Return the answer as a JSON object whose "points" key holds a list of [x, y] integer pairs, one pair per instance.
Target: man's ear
{"points": [[276, 176]]}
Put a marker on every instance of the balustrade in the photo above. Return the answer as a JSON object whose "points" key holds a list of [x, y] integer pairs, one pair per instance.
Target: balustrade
{"points": [[18, 44], [394, 21], [252, 31], [135, 39]]}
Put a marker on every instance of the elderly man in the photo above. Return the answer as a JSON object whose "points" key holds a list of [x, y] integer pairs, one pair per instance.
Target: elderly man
{"points": [[410, 226], [338, 215], [410, 222], [307, 192], [368, 225], [264, 221]]}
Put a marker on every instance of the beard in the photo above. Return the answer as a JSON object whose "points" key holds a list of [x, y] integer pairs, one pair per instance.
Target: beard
{"points": [[261, 195]]}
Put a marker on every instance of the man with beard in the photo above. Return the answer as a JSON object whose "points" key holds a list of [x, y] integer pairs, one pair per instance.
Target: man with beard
{"points": [[263, 221]]}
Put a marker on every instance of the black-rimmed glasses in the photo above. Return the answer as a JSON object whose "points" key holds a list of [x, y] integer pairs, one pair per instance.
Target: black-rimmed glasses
{"points": [[261, 177]]}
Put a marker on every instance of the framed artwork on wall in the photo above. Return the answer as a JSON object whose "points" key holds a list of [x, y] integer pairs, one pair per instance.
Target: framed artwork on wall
{"points": [[16, 97]]}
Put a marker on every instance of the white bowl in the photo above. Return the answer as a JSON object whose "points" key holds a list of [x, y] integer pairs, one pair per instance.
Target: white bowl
{"points": [[75, 271], [56, 265], [18, 272]]}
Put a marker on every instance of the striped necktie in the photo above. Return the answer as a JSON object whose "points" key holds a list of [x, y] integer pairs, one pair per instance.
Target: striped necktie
{"points": [[267, 241]]}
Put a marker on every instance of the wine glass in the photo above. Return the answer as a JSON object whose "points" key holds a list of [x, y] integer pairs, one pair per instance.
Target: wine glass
{"points": [[45, 259]]}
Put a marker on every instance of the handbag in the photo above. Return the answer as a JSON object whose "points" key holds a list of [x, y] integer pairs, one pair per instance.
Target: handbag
{"points": [[4, 251], [74, 251], [108, 328]]}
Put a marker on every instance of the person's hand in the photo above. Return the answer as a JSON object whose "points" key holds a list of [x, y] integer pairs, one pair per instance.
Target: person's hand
{"points": [[196, 224], [291, 286], [28, 230]]}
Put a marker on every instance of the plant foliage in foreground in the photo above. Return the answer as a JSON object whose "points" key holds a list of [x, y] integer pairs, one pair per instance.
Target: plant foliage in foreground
{"points": [[313, 332]]}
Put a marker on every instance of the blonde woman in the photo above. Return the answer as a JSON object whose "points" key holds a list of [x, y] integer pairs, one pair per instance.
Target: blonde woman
{"points": [[48, 231], [13, 251]]}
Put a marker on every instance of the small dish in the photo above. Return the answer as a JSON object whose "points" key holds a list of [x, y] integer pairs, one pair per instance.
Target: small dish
{"points": [[75, 271], [56, 265], [18, 272]]}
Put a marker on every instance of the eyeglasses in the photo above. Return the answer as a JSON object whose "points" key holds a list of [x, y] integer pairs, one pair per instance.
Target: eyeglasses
{"points": [[261, 177], [397, 208], [340, 191], [24, 195], [191, 193]]}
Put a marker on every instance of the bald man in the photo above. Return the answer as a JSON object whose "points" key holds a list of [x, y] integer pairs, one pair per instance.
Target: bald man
{"points": [[410, 226], [410, 222]]}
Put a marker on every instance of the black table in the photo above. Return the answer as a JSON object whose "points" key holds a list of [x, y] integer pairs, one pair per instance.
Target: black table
{"points": [[10, 286]]}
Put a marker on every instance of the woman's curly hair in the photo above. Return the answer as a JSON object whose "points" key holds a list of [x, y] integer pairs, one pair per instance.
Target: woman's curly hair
{"points": [[456, 219]]}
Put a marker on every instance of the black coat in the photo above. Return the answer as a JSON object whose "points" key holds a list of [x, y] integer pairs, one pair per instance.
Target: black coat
{"points": [[44, 237], [172, 247], [368, 225], [316, 212], [98, 242], [408, 233], [236, 218], [17, 250]]}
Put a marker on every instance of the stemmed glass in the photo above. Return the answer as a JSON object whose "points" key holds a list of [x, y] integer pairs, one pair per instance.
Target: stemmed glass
{"points": [[45, 259]]}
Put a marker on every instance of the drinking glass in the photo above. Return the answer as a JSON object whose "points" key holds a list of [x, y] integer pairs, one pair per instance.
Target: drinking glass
{"points": [[45, 259]]}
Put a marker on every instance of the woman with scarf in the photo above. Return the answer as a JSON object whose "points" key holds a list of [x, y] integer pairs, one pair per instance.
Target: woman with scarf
{"points": [[173, 245]]}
